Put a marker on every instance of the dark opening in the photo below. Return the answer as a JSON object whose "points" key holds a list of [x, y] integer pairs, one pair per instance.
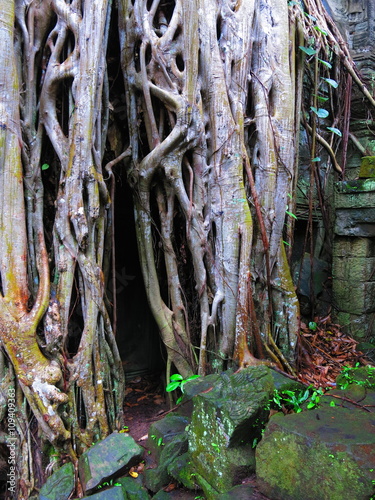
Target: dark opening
{"points": [[137, 333]]}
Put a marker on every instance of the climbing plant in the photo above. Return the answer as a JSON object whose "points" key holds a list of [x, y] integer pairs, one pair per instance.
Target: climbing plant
{"points": [[215, 94]]}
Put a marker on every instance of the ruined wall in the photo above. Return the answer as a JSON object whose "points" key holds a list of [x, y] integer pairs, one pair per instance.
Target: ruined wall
{"points": [[353, 265]]}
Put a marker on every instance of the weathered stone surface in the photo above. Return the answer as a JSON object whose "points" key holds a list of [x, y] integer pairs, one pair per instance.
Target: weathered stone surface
{"points": [[133, 489], [156, 478], [355, 212], [241, 492], [107, 459], [367, 168], [353, 247], [182, 469], [114, 493], [356, 298], [346, 268], [225, 422], [164, 431], [60, 485], [283, 383], [358, 326], [330, 451]]}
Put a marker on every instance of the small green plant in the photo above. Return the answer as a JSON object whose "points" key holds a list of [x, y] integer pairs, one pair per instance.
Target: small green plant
{"points": [[290, 398], [177, 381], [295, 399], [313, 326], [348, 377], [314, 399], [216, 447]]}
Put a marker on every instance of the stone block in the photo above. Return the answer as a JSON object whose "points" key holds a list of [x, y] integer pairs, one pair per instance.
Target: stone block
{"points": [[164, 431], [114, 493], [357, 222], [241, 492], [367, 168], [158, 477], [60, 485], [353, 247], [133, 490], [354, 269], [108, 459], [354, 298], [182, 469], [322, 454], [359, 326], [227, 420]]}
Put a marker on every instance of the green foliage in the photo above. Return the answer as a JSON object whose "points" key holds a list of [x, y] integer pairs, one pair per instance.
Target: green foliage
{"points": [[320, 112], [178, 382], [349, 375], [313, 326], [335, 131], [310, 51], [295, 399]]}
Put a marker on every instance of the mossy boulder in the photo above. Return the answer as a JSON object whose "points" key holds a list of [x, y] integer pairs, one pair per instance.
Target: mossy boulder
{"points": [[323, 454], [108, 459], [158, 477], [60, 485], [227, 421], [165, 431], [114, 493]]}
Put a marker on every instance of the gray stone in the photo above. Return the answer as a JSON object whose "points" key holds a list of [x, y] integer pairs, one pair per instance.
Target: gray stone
{"points": [[107, 459], [133, 490], [158, 477], [226, 422], [182, 470], [114, 493], [329, 450], [241, 492], [164, 431], [60, 485]]}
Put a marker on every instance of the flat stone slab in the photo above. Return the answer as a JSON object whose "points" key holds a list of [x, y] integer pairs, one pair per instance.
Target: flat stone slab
{"points": [[108, 459], [329, 451], [60, 485], [115, 493]]}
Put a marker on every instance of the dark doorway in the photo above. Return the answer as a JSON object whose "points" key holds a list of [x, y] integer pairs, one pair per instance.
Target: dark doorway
{"points": [[137, 333]]}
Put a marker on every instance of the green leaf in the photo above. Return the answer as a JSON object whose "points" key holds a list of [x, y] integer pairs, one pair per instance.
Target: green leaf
{"points": [[286, 243], [172, 386], [317, 158], [45, 166], [332, 403], [313, 326], [308, 50], [291, 214], [176, 376], [335, 131], [192, 377], [326, 63], [321, 113], [321, 98], [320, 30], [310, 17], [331, 82]]}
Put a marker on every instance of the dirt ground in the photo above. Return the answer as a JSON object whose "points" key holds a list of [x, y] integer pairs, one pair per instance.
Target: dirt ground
{"points": [[146, 402]]}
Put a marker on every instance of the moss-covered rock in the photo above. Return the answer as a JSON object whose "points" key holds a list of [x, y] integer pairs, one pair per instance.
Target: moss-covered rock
{"points": [[164, 431], [108, 459], [159, 477], [182, 470], [226, 422], [60, 485], [322, 454]]}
